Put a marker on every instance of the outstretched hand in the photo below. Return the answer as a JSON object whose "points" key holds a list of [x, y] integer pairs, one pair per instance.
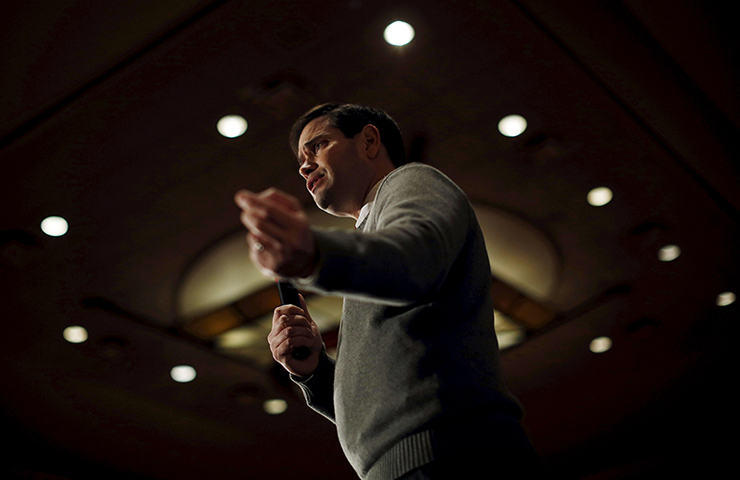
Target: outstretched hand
{"points": [[280, 239]]}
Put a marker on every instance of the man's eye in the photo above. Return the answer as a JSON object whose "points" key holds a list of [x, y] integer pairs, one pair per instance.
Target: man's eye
{"points": [[317, 146]]}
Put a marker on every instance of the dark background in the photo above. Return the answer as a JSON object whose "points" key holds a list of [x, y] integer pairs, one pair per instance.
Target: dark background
{"points": [[107, 115]]}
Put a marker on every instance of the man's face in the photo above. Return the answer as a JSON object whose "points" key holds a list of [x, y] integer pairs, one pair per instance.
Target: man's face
{"points": [[335, 172]]}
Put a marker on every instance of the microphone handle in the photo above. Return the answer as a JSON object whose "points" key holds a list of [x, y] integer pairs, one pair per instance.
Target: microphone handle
{"points": [[289, 296]]}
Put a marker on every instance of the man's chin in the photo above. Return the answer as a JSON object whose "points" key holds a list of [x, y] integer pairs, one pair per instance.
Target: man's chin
{"points": [[328, 210], [318, 199], [327, 204], [323, 204], [327, 207]]}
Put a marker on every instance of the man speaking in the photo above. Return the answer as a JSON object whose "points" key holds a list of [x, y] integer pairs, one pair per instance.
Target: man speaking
{"points": [[416, 391]]}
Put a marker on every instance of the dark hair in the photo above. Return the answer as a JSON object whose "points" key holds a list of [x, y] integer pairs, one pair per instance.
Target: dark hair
{"points": [[351, 119]]}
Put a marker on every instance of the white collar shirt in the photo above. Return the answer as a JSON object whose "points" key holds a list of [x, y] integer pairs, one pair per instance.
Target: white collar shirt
{"points": [[368, 205]]}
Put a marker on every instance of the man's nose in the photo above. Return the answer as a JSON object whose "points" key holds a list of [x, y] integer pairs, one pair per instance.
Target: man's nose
{"points": [[306, 168]]}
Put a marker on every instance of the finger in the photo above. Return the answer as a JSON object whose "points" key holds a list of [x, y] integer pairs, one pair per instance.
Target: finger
{"points": [[240, 198], [286, 321], [287, 310], [286, 315], [271, 204], [259, 242], [280, 198], [260, 257], [281, 332], [282, 319], [271, 198], [291, 337], [285, 347], [275, 203], [290, 332], [264, 249], [269, 221], [256, 218]]}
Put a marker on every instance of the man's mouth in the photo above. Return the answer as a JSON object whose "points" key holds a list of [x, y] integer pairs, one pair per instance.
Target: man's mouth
{"points": [[313, 182]]}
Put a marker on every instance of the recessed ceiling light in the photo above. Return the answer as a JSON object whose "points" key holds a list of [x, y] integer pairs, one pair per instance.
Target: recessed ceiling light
{"points": [[232, 126], [669, 253], [54, 226], [399, 33], [600, 344], [599, 196], [512, 125], [182, 373], [726, 298], [275, 406], [241, 337], [75, 334]]}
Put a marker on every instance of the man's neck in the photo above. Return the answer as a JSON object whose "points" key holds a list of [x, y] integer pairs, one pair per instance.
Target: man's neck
{"points": [[380, 174], [368, 202]]}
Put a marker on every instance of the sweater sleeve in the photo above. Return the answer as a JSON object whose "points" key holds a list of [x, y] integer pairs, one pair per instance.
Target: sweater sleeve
{"points": [[318, 389], [419, 223]]}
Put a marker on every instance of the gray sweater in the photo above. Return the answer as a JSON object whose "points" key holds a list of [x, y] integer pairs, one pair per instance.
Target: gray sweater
{"points": [[418, 362]]}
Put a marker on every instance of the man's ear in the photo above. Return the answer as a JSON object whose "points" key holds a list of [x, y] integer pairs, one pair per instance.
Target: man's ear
{"points": [[370, 137]]}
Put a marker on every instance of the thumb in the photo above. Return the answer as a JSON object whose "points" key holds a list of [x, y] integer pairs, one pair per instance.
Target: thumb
{"points": [[303, 303]]}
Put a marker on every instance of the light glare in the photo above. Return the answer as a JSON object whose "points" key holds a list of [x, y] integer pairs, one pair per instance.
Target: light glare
{"points": [[183, 373], [598, 197], [54, 226], [275, 406], [75, 334], [726, 298], [600, 344], [399, 33], [512, 125], [669, 253], [232, 126]]}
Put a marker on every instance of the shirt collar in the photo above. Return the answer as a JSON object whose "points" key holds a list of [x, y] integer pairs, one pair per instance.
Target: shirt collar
{"points": [[368, 205]]}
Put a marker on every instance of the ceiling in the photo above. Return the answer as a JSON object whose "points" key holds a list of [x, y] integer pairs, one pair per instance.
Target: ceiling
{"points": [[107, 118]]}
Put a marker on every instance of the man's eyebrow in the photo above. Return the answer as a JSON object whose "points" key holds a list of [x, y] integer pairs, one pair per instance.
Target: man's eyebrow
{"points": [[307, 145], [313, 140]]}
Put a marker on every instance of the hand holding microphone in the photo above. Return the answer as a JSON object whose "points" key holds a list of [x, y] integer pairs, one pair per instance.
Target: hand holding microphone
{"points": [[289, 296], [295, 340]]}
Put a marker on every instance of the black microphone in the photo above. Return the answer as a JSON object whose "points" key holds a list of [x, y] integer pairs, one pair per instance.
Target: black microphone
{"points": [[289, 296]]}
